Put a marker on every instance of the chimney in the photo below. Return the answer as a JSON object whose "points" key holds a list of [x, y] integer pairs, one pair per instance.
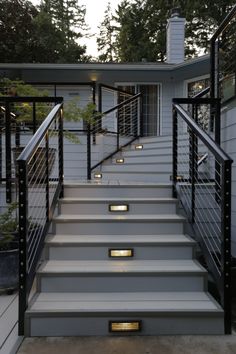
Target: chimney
{"points": [[175, 38]]}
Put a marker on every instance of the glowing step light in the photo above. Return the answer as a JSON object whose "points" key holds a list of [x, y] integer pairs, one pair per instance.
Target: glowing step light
{"points": [[121, 253], [138, 147], [128, 326], [118, 208], [97, 175], [178, 178], [120, 160]]}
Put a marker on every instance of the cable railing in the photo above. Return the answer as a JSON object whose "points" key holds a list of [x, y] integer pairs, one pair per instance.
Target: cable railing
{"points": [[40, 183], [205, 193], [223, 59], [116, 127], [19, 119]]}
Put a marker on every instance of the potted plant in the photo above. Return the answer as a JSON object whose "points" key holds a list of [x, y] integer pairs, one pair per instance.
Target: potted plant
{"points": [[9, 246], [9, 252]]}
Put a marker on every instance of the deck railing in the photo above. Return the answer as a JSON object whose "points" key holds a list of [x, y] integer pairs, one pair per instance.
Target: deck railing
{"points": [[117, 126], [40, 179], [205, 194], [223, 59]]}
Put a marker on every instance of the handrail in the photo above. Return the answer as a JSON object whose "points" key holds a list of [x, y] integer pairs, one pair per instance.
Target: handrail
{"points": [[38, 136], [224, 24], [210, 143], [120, 105], [37, 175], [205, 195], [115, 89], [202, 93], [218, 75]]}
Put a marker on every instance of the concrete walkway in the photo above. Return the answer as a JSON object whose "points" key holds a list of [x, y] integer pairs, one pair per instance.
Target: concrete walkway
{"points": [[131, 345]]}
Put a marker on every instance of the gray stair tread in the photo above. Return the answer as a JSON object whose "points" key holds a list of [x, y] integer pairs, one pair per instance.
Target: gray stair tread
{"points": [[140, 217], [110, 302], [118, 199], [120, 239], [121, 267], [114, 184]]}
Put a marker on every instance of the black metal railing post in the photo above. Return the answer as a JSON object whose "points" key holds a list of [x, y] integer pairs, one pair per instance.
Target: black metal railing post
{"points": [[94, 88], [88, 152], [47, 196], [8, 153], [23, 237], [61, 152], [175, 152], [226, 243]]}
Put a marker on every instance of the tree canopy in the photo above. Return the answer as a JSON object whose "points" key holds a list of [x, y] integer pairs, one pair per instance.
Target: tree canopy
{"points": [[48, 33], [141, 26]]}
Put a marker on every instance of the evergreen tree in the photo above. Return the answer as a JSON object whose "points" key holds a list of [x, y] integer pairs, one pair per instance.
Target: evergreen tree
{"points": [[106, 39], [141, 30], [16, 27]]}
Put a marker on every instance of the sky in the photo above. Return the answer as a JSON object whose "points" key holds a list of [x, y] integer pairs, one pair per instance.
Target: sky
{"points": [[94, 16]]}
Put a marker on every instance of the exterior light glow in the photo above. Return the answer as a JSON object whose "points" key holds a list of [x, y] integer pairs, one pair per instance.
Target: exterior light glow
{"points": [[138, 147], [97, 175], [178, 178], [120, 160], [131, 326], [121, 253], [117, 208]]}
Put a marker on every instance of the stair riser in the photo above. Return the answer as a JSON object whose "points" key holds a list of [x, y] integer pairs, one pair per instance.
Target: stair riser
{"points": [[148, 168], [137, 177], [102, 208], [146, 159], [120, 282], [159, 252], [125, 192], [147, 152], [95, 325], [120, 227]]}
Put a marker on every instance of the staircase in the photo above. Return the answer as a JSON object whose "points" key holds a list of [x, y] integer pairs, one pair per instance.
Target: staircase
{"points": [[86, 287]]}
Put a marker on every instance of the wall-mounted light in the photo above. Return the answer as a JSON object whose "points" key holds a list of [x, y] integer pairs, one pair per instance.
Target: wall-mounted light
{"points": [[121, 253], [125, 326]]}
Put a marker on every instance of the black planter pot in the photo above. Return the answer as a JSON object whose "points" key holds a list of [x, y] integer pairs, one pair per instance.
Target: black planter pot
{"points": [[9, 266]]}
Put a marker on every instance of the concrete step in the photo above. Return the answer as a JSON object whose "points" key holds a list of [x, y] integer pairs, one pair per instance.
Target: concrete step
{"points": [[97, 247], [121, 276], [96, 206], [118, 224], [97, 189], [80, 314]]}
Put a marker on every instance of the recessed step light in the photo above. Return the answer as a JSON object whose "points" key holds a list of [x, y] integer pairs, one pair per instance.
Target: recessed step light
{"points": [[120, 253], [97, 175], [120, 326], [118, 208], [178, 178], [138, 147], [120, 160]]}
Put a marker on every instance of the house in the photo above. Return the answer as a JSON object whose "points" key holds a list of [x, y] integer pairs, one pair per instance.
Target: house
{"points": [[201, 181]]}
